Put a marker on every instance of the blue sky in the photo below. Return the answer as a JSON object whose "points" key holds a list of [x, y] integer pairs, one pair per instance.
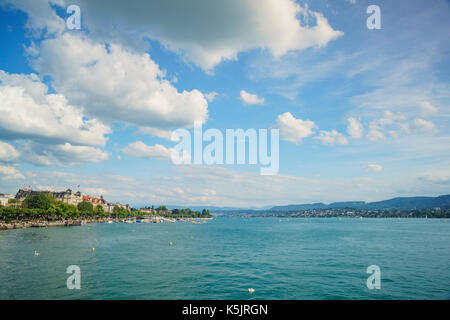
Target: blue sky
{"points": [[363, 114]]}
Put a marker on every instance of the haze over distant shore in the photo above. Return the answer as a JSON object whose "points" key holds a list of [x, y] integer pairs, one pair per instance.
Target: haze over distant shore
{"points": [[399, 203]]}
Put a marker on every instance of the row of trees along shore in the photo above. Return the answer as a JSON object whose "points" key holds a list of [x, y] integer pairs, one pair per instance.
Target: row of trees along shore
{"points": [[180, 213], [45, 207]]}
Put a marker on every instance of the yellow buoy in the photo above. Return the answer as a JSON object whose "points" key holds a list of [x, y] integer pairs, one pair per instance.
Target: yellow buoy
{"points": [[170, 243], [93, 249]]}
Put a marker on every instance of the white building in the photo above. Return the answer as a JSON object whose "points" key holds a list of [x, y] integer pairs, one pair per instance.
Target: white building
{"points": [[66, 196], [4, 198], [147, 210]]}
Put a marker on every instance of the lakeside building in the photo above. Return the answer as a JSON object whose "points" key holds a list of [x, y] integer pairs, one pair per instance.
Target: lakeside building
{"points": [[99, 202], [107, 207], [64, 196], [147, 210], [94, 200], [4, 198], [125, 206], [69, 197], [72, 198]]}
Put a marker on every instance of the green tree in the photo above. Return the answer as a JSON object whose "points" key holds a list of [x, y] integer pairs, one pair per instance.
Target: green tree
{"points": [[99, 211], [86, 208], [161, 208], [120, 212], [39, 201]]}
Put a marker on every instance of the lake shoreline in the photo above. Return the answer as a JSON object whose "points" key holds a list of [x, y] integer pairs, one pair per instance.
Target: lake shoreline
{"points": [[47, 224], [80, 222]]}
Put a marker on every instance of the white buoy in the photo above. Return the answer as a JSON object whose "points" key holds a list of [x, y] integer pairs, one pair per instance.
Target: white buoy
{"points": [[251, 290]]}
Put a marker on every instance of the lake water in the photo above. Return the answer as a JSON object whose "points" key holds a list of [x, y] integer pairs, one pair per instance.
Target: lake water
{"points": [[280, 259]]}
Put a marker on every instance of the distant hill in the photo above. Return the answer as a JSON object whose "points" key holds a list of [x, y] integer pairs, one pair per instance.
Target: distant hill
{"points": [[291, 207], [403, 203], [412, 203], [213, 208]]}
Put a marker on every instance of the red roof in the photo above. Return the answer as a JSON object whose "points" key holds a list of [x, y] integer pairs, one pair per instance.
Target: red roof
{"points": [[92, 199]]}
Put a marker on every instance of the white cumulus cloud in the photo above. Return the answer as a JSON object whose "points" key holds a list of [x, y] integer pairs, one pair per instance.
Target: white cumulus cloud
{"points": [[397, 124], [10, 173], [331, 137], [292, 129], [62, 154], [427, 108], [68, 154], [211, 96], [354, 128], [209, 32], [141, 150], [203, 32], [249, 98], [29, 112], [114, 84], [422, 125], [8, 152]]}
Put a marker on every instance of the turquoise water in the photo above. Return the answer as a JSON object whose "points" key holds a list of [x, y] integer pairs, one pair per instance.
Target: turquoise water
{"points": [[280, 259]]}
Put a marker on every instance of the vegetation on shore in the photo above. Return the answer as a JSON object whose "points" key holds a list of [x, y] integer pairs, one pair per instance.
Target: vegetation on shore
{"points": [[45, 207], [181, 213]]}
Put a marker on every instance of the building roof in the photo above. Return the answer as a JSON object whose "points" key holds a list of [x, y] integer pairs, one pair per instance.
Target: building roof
{"points": [[93, 199], [6, 195]]}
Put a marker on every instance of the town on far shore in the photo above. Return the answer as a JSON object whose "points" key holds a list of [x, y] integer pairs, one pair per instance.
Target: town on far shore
{"points": [[43, 208]]}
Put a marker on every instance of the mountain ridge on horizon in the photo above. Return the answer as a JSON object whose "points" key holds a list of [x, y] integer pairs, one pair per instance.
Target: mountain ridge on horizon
{"points": [[405, 203]]}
